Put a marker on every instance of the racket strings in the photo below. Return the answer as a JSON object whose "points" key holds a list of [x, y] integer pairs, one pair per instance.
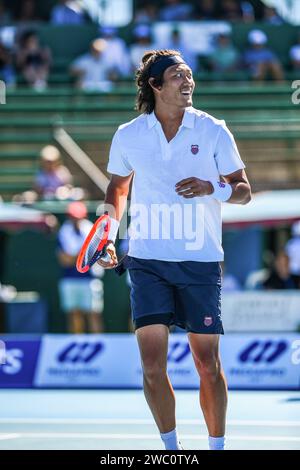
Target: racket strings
{"points": [[92, 249]]}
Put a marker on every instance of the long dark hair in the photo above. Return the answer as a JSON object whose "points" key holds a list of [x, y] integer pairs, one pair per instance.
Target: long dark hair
{"points": [[145, 100]]}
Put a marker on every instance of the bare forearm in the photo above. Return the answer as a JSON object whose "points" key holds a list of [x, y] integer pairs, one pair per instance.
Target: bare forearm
{"points": [[241, 193], [115, 201]]}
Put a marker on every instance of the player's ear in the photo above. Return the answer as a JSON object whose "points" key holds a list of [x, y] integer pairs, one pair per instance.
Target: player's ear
{"points": [[153, 85]]}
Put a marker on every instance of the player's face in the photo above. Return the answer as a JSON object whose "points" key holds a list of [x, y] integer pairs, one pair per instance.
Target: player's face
{"points": [[178, 86]]}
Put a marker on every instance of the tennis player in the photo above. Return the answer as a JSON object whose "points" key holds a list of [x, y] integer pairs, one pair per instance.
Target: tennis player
{"points": [[184, 163]]}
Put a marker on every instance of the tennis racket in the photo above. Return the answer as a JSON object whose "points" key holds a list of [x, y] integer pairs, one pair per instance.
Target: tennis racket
{"points": [[94, 246]]}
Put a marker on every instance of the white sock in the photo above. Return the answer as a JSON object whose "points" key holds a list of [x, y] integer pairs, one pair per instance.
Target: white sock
{"points": [[170, 439], [216, 443]]}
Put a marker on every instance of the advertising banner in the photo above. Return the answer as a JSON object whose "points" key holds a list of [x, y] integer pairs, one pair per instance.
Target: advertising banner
{"points": [[18, 362]]}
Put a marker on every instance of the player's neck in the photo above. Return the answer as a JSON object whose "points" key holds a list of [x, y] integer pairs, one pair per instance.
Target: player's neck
{"points": [[169, 116]]}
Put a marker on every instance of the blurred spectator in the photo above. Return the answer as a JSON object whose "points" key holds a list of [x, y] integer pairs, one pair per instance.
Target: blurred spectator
{"points": [[229, 282], [248, 13], [92, 70], [295, 54], [279, 276], [146, 13], [230, 10], [175, 10], [178, 44], [53, 175], [5, 16], [225, 56], [260, 60], [81, 295], [292, 249], [116, 54], [271, 16], [33, 61], [204, 10], [7, 72], [67, 12], [27, 12], [255, 279], [142, 42]]}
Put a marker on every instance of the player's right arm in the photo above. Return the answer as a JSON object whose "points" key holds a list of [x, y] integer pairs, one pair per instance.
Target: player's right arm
{"points": [[115, 204]]}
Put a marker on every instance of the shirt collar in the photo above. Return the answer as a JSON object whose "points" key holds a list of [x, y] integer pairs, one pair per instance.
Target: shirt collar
{"points": [[187, 121]]}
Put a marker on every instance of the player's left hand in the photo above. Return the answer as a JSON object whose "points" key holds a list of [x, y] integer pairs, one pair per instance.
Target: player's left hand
{"points": [[193, 187]]}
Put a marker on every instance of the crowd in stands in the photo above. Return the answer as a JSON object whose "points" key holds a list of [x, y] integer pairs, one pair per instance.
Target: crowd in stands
{"points": [[282, 271], [78, 12], [110, 57]]}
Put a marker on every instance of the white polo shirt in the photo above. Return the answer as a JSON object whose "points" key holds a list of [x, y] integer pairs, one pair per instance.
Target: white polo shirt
{"points": [[164, 225]]}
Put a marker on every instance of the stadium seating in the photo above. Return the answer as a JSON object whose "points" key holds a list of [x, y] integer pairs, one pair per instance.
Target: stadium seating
{"points": [[263, 118]]}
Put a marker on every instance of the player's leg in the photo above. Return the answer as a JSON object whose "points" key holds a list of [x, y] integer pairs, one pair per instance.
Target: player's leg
{"points": [[151, 300], [153, 345], [213, 388]]}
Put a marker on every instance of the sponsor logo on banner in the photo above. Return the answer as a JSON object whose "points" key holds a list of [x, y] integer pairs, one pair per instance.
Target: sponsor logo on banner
{"points": [[20, 362], [260, 362], [66, 361], [76, 353], [88, 361], [263, 351], [113, 361]]}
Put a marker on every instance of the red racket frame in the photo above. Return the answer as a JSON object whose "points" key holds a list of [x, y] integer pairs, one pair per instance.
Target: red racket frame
{"points": [[86, 242]]}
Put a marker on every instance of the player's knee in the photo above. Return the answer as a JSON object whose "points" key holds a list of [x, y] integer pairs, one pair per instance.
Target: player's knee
{"points": [[208, 367], [153, 372]]}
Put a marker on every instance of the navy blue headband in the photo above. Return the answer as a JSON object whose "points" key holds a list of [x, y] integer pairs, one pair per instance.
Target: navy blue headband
{"points": [[163, 63]]}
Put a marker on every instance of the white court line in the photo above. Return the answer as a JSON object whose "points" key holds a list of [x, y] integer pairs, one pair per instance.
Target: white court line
{"points": [[142, 421], [5, 437], [193, 437]]}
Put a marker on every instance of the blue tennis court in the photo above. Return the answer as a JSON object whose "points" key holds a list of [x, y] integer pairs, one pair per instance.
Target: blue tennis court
{"points": [[119, 419]]}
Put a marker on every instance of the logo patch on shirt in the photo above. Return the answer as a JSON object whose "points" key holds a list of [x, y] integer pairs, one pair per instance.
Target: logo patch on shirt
{"points": [[194, 149], [208, 321], [221, 184]]}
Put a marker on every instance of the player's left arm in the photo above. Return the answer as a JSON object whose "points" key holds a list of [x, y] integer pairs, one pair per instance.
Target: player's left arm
{"points": [[234, 188], [241, 189]]}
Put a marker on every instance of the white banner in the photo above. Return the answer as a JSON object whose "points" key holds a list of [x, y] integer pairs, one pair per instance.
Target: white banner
{"points": [[112, 361], [261, 311]]}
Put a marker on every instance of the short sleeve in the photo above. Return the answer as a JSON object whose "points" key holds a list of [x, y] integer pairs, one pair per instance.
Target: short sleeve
{"points": [[227, 156], [118, 163]]}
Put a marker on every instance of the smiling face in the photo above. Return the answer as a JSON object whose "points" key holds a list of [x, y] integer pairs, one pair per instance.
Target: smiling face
{"points": [[178, 86]]}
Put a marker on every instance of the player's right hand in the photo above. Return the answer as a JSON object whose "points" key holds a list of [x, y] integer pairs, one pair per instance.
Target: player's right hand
{"points": [[109, 260]]}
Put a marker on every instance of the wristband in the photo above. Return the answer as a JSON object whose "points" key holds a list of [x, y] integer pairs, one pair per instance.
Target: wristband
{"points": [[222, 191]]}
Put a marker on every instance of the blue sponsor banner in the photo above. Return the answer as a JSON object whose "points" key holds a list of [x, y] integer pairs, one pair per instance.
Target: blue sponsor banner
{"points": [[18, 362], [250, 361], [88, 361]]}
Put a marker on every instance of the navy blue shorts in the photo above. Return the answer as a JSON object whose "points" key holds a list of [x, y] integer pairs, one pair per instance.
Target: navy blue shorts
{"points": [[186, 294]]}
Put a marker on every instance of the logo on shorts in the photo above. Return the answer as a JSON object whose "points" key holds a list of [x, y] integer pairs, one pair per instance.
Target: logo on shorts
{"points": [[194, 149], [208, 321]]}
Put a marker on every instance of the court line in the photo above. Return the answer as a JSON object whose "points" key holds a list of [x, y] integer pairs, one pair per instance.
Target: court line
{"points": [[193, 437], [141, 422], [5, 437]]}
